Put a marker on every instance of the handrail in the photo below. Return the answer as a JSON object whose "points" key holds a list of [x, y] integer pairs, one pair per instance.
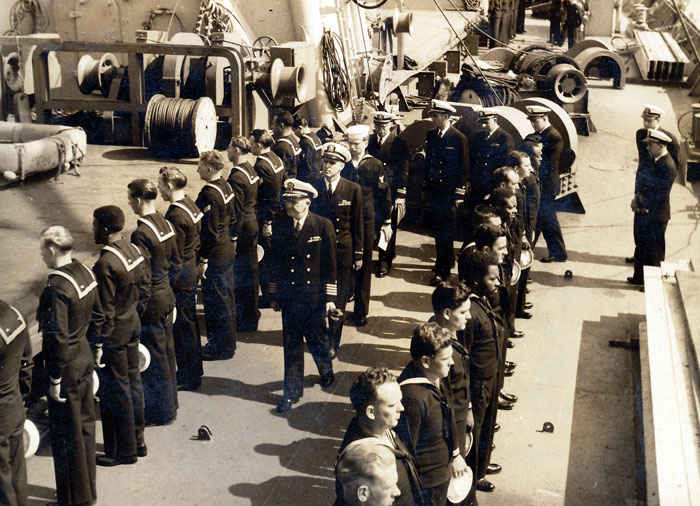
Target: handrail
{"points": [[45, 102]]}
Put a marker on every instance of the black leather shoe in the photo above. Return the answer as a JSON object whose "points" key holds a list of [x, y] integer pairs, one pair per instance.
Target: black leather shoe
{"points": [[517, 334], [209, 353], [332, 353], [484, 485], [188, 387], [629, 260], [497, 427], [493, 468], [525, 315], [286, 404], [511, 365], [493, 446], [382, 270], [508, 373], [128, 460], [508, 397], [505, 405], [634, 281], [327, 380], [105, 461], [528, 305], [550, 259], [360, 321], [142, 451], [510, 344]]}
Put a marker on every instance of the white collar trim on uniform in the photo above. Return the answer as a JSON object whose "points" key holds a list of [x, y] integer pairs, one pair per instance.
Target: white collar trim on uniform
{"points": [[221, 192], [196, 218], [275, 169], [81, 291], [8, 338], [159, 235], [128, 266], [251, 179]]}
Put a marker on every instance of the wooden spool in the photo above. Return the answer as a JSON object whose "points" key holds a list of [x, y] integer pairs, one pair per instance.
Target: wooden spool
{"points": [[180, 127]]}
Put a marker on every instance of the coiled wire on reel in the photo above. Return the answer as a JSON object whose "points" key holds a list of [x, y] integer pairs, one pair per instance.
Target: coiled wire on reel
{"points": [[180, 127]]}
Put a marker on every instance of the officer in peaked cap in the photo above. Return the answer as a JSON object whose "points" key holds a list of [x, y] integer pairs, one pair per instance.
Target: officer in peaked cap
{"points": [[303, 286], [552, 147], [489, 150], [369, 172], [340, 201], [651, 118], [446, 177], [651, 204], [386, 145], [15, 362]]}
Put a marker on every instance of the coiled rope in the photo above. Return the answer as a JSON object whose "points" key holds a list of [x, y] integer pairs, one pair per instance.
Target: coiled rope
{"points": [[336, 79]]}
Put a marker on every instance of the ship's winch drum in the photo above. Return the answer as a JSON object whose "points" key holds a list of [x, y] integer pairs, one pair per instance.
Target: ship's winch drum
{"points": [[180, 127]]}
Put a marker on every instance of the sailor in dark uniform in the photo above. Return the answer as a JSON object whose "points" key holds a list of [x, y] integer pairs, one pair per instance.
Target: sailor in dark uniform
{"points": [[651, 204], [484, 338], [15, 371], [124, 285], [245, 182], [369, 173], [216, 257], [386, 145], [186, 219], [309, 164], [64, 314], [489, 149], [287, 145], [155, 238], [446, 157], [340, 201], [303, 287], [427, 425], [270, 169], [552, 147], [651, 116]]}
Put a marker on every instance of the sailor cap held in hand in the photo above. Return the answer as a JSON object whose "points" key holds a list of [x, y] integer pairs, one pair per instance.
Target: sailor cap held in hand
{"points": [[295, 189], [442, 107], [654, 135], [335, 152], [536, 111], [357, 133], [652, 111], [381, 117]]}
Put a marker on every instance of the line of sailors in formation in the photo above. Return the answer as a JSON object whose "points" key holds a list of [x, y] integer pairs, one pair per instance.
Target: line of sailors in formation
{"points": [[317, 232]]}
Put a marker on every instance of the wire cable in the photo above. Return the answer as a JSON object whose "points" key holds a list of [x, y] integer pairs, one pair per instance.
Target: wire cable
{"points": [[336, 78], [464, 46]]}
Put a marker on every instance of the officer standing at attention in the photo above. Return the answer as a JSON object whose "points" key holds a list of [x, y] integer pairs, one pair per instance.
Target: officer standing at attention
{"points": [[340, 202], [245, 182], [287, 145], [186, 219], [651, 204], [124, 284], [386, 145], [216, 257], [489, 149], [368, 172], [446, 157], [552, 147], [64, 314], [15, 370], [309, 163], [651, 117], [303, 287], [155, 238]]}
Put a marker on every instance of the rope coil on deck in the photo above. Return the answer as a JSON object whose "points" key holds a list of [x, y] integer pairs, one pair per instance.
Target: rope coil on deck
{"points": [[180, 127]]}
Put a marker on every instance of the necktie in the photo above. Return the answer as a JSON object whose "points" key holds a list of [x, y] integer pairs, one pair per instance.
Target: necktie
{"points": [[330, 191], [297, 228]]}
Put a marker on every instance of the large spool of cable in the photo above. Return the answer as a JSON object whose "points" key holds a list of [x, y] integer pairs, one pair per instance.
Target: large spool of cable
{"points": [[180, 127]]}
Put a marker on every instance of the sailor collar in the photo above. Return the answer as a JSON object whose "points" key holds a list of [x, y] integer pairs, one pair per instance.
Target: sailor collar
{"points": [[82, 289], [161, 235], [275, 168], [313, 142], [295, 149], [129, 261], [251, 179], [194, 214], [225, 198], [11, 325]]}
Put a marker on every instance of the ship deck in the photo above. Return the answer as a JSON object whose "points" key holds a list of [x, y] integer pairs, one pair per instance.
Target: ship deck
{"points": [[567, 374]]}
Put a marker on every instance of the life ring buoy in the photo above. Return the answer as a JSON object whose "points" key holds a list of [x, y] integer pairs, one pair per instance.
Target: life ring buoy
{"points": [[28, 148]]}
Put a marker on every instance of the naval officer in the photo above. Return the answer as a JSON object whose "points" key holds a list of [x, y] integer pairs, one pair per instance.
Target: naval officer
{"points": [[303, 286], [446, 158]]}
